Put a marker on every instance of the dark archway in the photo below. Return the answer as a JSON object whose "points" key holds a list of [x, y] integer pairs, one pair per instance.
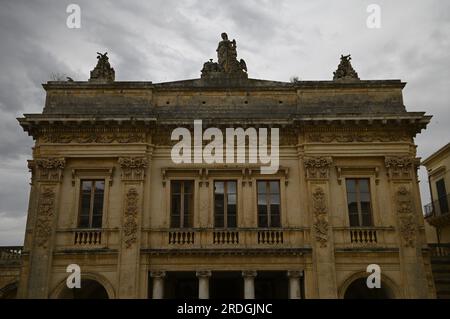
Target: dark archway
{"points": [[9, 291], [358, 290], [90, 289]]}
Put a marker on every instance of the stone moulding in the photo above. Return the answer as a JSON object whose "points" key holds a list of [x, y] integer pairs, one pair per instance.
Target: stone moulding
{"points": [[92, 136], [400, 167], [320, 216], [47, 169], [130, 226], [133, 168], [406, 216], [357, 137], [45, 214], [317, 167]]}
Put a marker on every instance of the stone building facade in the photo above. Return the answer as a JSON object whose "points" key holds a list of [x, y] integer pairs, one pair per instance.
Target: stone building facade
{"points": [[106, 194]]}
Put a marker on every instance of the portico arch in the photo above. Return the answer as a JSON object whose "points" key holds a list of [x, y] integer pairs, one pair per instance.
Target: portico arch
{"points": [[93, 286], [355, 287]]}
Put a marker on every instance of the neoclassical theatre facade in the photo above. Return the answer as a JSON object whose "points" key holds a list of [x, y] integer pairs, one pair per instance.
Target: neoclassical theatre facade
{"points": [[106, 194]]}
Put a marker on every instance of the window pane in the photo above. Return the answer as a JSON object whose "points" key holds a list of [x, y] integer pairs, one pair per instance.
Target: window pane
{"points": [[366, 219], [350, 185], [232, 221], [188, 210], [262, 189], [231, 187], [231, 199], [354, 220], [262, 220], [219, 221], [219, 210], [262, 200], [275, 220], [98, 204], [274, 187], [363, 185], [175, 187], [85, 205], [188, 187], [275, 199], [175, 210]]}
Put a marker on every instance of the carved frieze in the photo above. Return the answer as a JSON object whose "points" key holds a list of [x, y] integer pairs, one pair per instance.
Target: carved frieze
{"points": [[317, 167], [399, 167], [45, 215], [406, 216], [92, 136], [130, 226], [47, 169], [320, 225], [133, 168], [357, 137]]}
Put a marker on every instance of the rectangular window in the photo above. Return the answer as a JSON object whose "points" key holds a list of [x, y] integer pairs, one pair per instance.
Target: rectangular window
{"points": [[358, 201], [442, 196], [91, 203], [225, 199], [182, 204], [269, 204]]}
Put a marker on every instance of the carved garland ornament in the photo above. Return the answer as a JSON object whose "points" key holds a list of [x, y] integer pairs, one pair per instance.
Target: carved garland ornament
{"points": [[133, 168], [320, 216], [317, 167], [406, 216], [130, 226], [357, 137], [46, 211], [85, 137]]}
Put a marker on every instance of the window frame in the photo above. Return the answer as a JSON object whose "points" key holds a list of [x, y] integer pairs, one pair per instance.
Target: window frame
{"points": [[182, 198], [225, 202], [358, 201], [91, 202], [268, 194]]}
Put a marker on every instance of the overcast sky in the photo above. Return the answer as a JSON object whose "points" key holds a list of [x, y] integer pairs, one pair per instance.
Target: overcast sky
{"points": [[169, 40]]}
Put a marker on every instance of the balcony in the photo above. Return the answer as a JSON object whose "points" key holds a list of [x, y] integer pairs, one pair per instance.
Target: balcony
{"points": [[10, 255], [228, 239], [365, 237], [437, 213], [87, 238]]}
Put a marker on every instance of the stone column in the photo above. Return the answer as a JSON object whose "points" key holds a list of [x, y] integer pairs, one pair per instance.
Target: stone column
{"points": [[249, 283], [133, 171], [47, 175], [158, 284], [203, 284], [294, 284], [317, 171]]}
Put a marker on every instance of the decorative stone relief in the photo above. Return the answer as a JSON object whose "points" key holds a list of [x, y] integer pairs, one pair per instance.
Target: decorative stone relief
{"points": [[345, 70], [406, 216], [103, 72], [47, 169], [357, 137], [399, 167], [130, 226], [45, 215], [320, 225], [133, 168], [85, 137], [317, 167]]}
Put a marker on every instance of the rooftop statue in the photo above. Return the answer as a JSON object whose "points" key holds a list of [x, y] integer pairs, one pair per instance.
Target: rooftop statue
{"points": [[345, 70], [103, 72], [227, 65]]}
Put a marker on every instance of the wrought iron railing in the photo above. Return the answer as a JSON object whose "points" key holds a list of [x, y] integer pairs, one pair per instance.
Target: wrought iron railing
{"points": [[439, 207]]}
